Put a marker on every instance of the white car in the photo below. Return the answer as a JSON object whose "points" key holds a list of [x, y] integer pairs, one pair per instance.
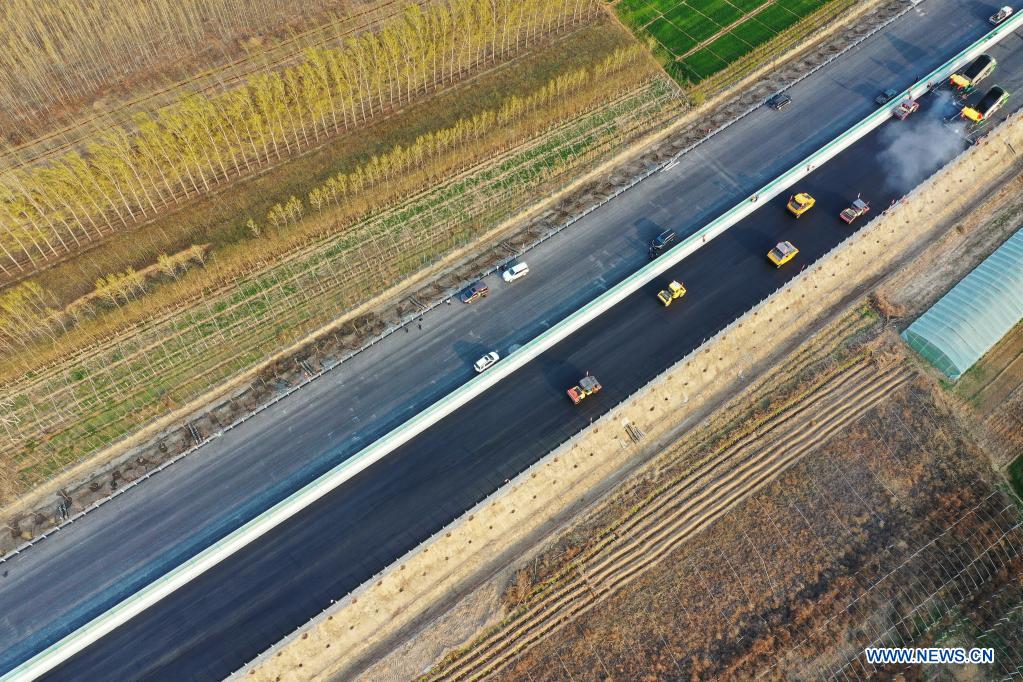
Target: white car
{"points": [[1001, 15], [515, 272], [486, 362]]}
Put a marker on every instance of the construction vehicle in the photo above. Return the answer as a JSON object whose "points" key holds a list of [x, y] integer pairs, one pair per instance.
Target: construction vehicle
{"points": [[1001, 15], [782, 253], [859, 207], [905, 108], [966, 79], [800, 203], [674, 290], [588, 385], [987, 106]]}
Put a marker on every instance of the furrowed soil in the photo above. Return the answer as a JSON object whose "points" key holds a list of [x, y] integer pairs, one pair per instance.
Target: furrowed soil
{"points": [[890, 535]]}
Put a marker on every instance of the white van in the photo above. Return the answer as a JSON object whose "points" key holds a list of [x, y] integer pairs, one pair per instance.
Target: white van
{"points": [[515, 272]]}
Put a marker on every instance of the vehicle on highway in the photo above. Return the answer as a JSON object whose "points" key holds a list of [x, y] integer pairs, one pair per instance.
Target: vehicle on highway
{"points": [[859, 207], [987, 106], [1001, 15], [782, 253], [474, 291], [662, 243], [779, 101], [965, 80], [588, 385], [486, 362], [517, 271], [886, 96], [905, 108], [674, 290], [800, 203]]}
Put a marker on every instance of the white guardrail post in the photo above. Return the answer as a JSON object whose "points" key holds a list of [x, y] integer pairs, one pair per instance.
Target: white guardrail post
{"points": [[293, 504]]}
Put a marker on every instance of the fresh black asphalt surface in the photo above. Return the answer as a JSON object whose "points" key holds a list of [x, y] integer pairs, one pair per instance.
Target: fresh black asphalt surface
{"points": [[214, 625]]}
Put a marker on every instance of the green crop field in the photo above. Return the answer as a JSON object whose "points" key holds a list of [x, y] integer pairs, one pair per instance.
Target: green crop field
{"points": [[697, 38], [1016, 476]]}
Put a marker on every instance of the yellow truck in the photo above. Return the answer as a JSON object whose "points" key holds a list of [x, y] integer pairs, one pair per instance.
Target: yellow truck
{"points": [[800, 203], [782, 253], [674, 290], [987, 106], [966, 79]]}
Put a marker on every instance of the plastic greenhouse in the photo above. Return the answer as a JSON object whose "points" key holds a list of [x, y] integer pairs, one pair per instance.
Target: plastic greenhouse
{"points": [[971, 318]]}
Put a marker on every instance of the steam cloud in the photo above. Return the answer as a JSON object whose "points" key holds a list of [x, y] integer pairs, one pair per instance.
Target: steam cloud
{"points": [[913, 150]]}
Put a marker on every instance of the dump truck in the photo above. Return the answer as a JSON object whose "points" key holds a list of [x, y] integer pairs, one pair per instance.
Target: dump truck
{"points": [[987, 106], [859, 207], [588, 385], [782, 253], [800, 203], [674, 290], [980, 68]]}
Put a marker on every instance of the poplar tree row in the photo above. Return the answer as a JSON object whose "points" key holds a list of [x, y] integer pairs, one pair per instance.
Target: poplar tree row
{"points": [[428, 146], [61, 53], [187, 149], [29, 314]]}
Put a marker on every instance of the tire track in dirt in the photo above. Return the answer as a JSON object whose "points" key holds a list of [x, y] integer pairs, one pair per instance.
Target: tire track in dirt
{"points": [[682, 509]]}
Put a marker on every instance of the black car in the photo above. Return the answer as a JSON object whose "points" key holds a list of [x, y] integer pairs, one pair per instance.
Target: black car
{"points": [[886, 96], [779, 101], [662, 243], [474, 291]]}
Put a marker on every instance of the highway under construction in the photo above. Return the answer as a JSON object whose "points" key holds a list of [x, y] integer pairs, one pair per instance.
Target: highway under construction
{"points": [[217, 622]]}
